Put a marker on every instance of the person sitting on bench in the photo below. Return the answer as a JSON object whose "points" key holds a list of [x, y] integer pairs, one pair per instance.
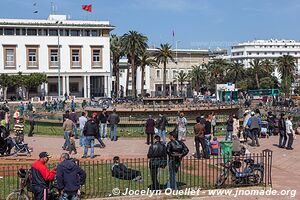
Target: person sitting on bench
{"points": [[120, 171]]}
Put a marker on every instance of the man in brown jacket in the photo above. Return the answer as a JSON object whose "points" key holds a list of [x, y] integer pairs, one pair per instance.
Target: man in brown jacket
{"points": [[199, 130], [68, 128]]}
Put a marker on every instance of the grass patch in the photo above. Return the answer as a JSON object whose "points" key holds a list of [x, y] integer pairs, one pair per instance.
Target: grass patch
{"points": [[99, 181], [46, 128]]}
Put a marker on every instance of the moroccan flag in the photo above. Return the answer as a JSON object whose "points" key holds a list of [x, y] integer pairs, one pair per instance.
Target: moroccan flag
{"points": [[87, 8]]}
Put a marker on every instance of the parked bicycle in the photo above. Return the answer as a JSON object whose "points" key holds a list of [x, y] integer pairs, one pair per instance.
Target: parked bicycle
{"points": [[252, 174], [22, 193]]}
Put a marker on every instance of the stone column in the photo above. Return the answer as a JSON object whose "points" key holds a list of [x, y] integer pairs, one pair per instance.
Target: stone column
{"points": [[84, 87], [68, 85], [89, 86], [64, 85]]}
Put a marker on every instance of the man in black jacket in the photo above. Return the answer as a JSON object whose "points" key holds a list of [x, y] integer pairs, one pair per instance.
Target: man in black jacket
{"points": [[282, 131], [90, 131], [158, 158], [120, 171], [103, 123], [69, 178], [176, 150]]}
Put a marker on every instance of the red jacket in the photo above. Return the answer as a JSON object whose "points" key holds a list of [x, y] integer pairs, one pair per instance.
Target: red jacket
{"points": [[41, 175]]}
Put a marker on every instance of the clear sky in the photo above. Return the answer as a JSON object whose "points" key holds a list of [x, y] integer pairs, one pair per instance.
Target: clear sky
{"points": [[196, 23]]}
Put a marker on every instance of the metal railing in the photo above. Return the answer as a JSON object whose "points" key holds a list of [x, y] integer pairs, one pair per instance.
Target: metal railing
{"points": [[192, 173]]}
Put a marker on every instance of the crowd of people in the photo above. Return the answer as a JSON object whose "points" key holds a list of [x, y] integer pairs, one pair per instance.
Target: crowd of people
{"points": [[90, 128]]}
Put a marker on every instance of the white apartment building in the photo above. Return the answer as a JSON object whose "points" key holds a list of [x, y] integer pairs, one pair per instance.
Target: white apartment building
{"points": [[83, 56], [265, 49]]}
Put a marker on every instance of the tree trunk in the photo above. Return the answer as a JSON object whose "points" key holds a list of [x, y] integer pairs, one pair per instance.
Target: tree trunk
{"points": [[133, 77], [4, 93], [286, 87], [181, 88], [164, 79], [142, 80], [117, 85], [257, 81], [27, 94], [127, 81]]}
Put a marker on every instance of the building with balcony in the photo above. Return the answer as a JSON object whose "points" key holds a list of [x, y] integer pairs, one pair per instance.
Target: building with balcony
{"points": [[264, 49], [77, 50]]}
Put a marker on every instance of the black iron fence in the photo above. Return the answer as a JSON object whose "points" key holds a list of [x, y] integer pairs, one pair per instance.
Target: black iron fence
{"points": [[192, 173]]}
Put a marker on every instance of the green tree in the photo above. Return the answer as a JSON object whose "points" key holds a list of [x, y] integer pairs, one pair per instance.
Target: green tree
{"points": [[242, 85], [217, 69], [145, 60], [116, 53], [181, 77], [235, 71], [268, 66], [197, 77], [33, 80], [257, 68], [286, 66], [266, 83], [163, 55], [17, 81], [133, 44], [5, 82]]}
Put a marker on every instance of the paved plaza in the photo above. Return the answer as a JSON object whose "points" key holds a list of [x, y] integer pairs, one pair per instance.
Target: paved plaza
{"points": [[285, 170]]}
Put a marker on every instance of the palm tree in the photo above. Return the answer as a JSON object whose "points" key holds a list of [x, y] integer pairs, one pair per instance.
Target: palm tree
{"points": [[134, 44], [143, 61], [237, 70], [217, 69], [197, 76], [286, 66], [257, 68], [181, 77], [116, 53], [268, 66], [163, 55]]}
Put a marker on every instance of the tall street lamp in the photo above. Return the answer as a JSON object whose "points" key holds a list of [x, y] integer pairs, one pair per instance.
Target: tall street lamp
{"points": [[176, 61], [58, 51]]}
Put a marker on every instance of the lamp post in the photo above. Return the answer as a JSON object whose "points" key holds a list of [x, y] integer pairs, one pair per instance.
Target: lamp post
{"points": [[177, 70], [58, 56]]}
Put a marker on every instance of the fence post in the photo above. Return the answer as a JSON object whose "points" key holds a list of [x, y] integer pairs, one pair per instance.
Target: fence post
{"points": [[267, 155]]}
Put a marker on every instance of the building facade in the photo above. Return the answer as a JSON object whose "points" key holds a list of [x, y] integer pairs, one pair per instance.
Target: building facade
{"points": [[184, 60], [77, 50], [265, 49]]}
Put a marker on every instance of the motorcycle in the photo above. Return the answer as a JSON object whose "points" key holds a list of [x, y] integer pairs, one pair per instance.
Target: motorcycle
{"points": [[252, 174]]}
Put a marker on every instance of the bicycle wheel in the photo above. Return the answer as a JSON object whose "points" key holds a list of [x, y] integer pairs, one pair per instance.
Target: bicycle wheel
{"points": [[17, 196], [221, 179]]}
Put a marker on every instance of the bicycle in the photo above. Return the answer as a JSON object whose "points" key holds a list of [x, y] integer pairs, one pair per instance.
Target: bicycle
{"points": [[22, 192], [25, 187]]}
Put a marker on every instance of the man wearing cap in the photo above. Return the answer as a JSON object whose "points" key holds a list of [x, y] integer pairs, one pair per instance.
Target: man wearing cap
{"points": [[41, 176]]}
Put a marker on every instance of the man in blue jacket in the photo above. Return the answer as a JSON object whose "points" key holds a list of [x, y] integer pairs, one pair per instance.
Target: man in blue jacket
{"points": [[69, 178]]}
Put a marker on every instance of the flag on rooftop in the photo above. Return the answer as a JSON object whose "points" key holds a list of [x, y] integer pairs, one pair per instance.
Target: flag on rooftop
{"points": [[87, 8]]}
